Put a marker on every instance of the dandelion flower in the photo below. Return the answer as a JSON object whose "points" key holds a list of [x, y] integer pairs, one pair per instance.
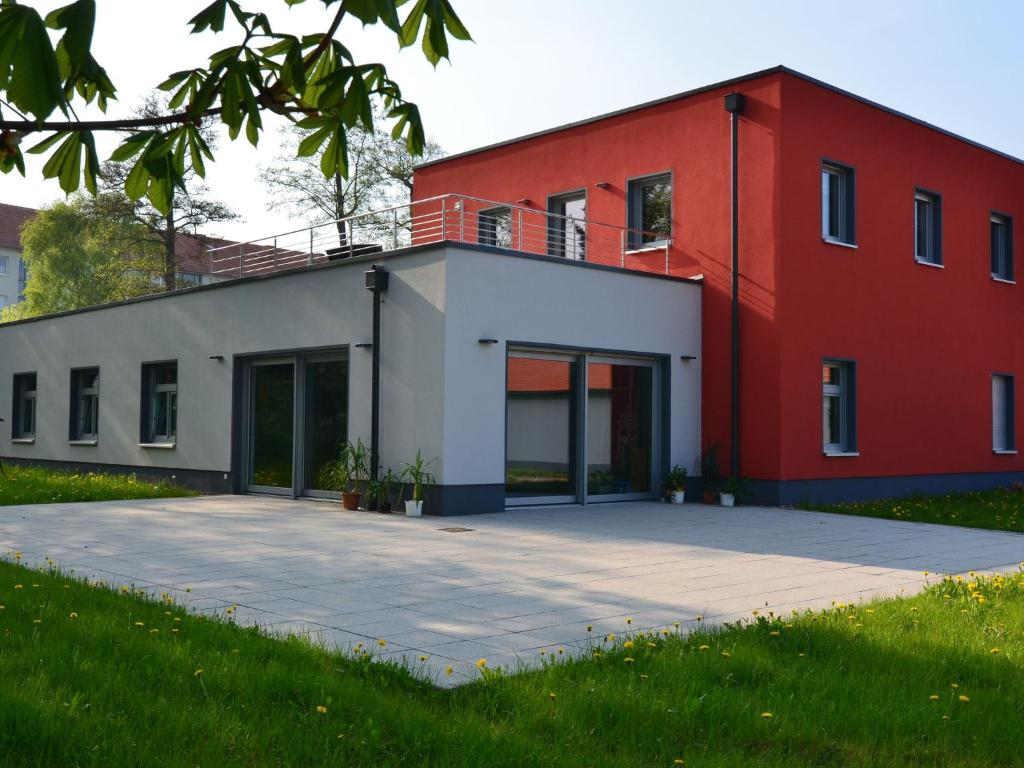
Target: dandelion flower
{"points": [[774, 633], [933, 697], [704, 648], [174, 631], [140, 623], [37, 621], [423, 658], [321, 709], [73, 616], [382, 643], [19, 586], [629, 620], [994, 651], [678, 761], [481, 663], [963, 698], [726, 654], [629, 660], [590, 627], [767, 715], [448, 671], [198, 672], [551, 695], [628, 644]]}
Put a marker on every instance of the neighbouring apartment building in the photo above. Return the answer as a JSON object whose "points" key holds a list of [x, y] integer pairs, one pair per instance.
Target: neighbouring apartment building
{"points": [[818, 285], [12, 269]]}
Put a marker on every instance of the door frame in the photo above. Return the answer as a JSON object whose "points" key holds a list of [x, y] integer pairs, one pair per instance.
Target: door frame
{"points": [[660, 409], [242, 442]]}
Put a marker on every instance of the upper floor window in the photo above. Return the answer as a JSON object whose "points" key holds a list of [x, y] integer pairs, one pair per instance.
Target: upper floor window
{"points": [[495, 225], [22, 279], [23, 424], [837, 199], [85, 404], [928, 227], [1001, 245], [159, 402], [1003, 439], [838, 425], [650, 210], [567, 225], [3, 264]]}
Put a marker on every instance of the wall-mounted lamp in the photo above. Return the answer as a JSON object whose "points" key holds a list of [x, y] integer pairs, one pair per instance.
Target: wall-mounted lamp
{"points": [[523, 201], [687, 358], [364, 345], [217, 357], [602, 185], [487, 341]]}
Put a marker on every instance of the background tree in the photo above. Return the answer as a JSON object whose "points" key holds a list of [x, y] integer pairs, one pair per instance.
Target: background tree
{"points": [[76, 260], [312, 80], [191, 206], [379, 176]]}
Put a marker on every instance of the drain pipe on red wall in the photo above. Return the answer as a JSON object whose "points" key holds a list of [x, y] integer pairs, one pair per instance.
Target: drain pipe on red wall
{"points": [[377, 282], [734, 103]]}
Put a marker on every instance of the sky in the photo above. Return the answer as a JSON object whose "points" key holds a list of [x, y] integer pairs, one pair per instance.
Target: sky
{"points": [[534, 64]]}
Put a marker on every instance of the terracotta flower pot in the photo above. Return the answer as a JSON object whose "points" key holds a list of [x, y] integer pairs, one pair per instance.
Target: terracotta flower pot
{"points": [[710, 497], [350, 500]]}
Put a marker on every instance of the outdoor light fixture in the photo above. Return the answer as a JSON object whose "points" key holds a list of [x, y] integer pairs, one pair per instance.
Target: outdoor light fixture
{"points": [[364, 345], [687, 358], [523, 201], [217, 357], [602, 185], [488, 341]]}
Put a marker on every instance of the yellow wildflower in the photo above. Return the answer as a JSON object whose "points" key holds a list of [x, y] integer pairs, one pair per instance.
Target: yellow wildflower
{"points": [[73, 615], [481, 663], [767, 715], [963, 698], [321, 709]]}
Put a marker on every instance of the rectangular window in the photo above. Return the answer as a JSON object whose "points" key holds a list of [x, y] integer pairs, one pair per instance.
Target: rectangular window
{"points": [[159, 403], [85, 404], [650, 210], [495, 227], [3, 264], [1003, 438], [838, 407], [23, 424], [1001, 245], [927, 227], [567, 226], [22, 279], [837, 198]]}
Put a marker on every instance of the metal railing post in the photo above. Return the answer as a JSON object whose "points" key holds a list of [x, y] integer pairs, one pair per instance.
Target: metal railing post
{"points": [[521, 240], [622, 248], [460, 206], [666, 256], [309, 259], [444, 218], [394, 228], [274, 259], [240, 259]]}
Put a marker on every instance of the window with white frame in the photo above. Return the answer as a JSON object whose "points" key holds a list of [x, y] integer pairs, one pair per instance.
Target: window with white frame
{"points": [[838, 424], [1003, 438], [837, 203], [160, 403], [927, 227], [650, 210], [1001, 244], [23, 424], [85, 404]]}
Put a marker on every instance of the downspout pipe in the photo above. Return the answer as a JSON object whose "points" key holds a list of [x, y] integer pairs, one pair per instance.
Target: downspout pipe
{"points": [[377, 283], [734, 104]]}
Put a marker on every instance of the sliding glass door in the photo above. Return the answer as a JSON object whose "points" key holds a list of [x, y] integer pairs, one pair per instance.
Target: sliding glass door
{"points": [[562, 447]]}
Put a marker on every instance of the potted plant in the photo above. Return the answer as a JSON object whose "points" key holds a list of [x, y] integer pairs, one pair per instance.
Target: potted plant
{"points": [[416, 475], [336, 475], [675, 485], [386, 491], [708, 468], [734, 490], [359, 467]]}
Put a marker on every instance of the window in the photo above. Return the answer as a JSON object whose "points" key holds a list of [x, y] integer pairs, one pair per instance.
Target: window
{"points": [[3, 301], [927, 228], [23, 423], [190, 278], [85, 404], [837, 199], [159, 403], [22, 279], [838, 407], [650, 210], [567, 226], [1001, 228], [1003, 439], [496, 227], [3, 264]]}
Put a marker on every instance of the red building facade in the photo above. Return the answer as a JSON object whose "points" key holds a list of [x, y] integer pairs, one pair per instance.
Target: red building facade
{"points": [[878, 346]]}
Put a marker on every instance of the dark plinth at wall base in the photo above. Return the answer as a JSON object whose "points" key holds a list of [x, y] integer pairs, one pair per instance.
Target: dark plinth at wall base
{"points": [[202, 480], [796, 492], [449, 500]]}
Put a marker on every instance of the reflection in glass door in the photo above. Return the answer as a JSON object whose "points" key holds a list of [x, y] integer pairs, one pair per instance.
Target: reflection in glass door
{"points": [[271, 420], [620, 445], [542, 424], [326, 419]]}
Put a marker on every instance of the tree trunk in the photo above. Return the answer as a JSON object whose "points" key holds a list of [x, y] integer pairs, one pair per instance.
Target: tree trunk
{"points": [[339, 210], [170, 262]]}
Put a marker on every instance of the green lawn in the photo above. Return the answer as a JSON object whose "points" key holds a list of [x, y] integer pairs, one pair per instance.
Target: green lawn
{"points": [[1001, 509], [34, 485], [91, 677]]}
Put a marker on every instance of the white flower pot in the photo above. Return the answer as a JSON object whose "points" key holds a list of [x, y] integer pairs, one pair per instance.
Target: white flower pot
{"points": [[727, 499], [678, 496], [413, 508]]}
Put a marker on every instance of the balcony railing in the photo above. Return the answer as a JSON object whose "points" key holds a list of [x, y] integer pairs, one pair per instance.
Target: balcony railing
{"points": [[453, 218]]}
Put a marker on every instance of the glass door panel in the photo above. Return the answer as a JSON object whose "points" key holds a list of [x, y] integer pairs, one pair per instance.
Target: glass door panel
{"points": [[542, 424], [326, 418], [271, 421], [620, 427]]}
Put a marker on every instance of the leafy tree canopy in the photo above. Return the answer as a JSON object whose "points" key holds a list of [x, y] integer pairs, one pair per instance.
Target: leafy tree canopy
{"points": [[312, 80]]}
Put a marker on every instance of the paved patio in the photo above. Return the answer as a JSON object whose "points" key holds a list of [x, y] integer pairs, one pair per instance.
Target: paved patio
{"points": [[506, 588]]}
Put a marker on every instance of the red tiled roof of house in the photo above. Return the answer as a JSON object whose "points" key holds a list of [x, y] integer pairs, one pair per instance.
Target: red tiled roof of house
{"points": [[11, 219]]}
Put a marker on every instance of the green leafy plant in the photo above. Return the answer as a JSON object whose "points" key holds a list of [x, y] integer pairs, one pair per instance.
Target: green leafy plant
{"points": [[708, 467], [359, 460], [336, 475], [417, 475], [389, 483], [676, 479], [737, 486], [312, 80]]}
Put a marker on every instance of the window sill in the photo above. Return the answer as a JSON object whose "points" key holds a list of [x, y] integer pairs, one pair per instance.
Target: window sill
{"points": [[840, 243], [1003, 280], [157, 445], [1005, 453], [649, 248], [931, 264], [83, 442], [23, 440], [840, 454]]}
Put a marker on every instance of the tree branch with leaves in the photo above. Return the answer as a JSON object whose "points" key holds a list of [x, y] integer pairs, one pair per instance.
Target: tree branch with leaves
{"points": [[311, 80]]}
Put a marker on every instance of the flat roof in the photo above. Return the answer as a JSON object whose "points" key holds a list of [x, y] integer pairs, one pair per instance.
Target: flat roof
{"points": [[714, 86]]}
